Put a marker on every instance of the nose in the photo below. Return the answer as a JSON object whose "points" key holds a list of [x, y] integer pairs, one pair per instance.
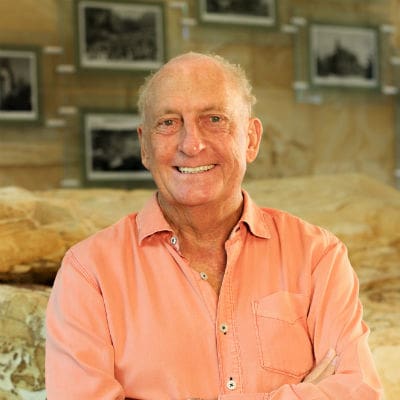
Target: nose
{"points": [[191, 141]]}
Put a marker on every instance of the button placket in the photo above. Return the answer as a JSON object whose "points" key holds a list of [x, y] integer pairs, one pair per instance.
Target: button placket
{"points": [[229, 361]]}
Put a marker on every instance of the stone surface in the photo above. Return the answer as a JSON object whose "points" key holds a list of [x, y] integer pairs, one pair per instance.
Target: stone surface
{"points": [[37, 227], [22, 342]]}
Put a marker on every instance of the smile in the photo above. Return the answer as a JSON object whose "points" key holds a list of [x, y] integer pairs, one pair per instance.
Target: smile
{"points": [[195, 170]]}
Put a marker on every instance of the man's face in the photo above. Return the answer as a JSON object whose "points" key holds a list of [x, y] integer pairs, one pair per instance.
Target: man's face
{"points": [[198, 135]]}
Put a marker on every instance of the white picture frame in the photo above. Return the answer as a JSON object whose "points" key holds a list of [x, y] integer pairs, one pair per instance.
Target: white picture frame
{"points": [[344, 56], [111, 148], [120, 35], [257, 13], [19, 84]]}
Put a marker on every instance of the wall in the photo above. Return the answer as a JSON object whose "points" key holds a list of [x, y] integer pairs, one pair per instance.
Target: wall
{"points": [[306, 133]]}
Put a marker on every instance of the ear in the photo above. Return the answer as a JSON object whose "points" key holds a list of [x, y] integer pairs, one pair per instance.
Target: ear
{"points": [[143, 150], [254, 135]]}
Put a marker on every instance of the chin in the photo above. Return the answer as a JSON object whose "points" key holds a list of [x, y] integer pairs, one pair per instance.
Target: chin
{"points": [[191, 198]]}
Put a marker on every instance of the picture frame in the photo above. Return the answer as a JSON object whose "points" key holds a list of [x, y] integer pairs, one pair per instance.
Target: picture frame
{"points": [[256, 13], [111, 149], [19, 84], [120, 35], [344, 56]]}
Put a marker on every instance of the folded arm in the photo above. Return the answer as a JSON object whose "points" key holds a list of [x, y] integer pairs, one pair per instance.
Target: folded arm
{"points": [[334, 322]]}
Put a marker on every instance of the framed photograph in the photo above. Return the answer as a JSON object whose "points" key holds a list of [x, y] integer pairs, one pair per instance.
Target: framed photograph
{"points": [[112, 148], [239, 12], [120, 35], [19, 100], [345, 56]]}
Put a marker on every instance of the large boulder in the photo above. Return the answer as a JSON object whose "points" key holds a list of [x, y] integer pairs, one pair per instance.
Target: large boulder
{"points": [[22, 342], [37, 228]]}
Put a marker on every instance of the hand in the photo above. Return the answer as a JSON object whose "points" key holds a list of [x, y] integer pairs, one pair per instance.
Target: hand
{"points": [[324, 369]]}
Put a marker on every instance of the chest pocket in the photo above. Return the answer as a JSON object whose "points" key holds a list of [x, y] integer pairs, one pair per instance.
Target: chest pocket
{"points": [[282, 337]]}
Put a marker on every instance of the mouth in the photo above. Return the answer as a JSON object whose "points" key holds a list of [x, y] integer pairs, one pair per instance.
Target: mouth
{"points": [[195, 170]]}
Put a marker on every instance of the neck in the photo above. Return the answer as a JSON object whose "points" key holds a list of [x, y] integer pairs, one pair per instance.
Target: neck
{"points": [[206, 223]]}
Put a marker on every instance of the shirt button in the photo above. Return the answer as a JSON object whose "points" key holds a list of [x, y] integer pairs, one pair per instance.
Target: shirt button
{"points": [[173, 240], [231, 384], [203, 276], [223, 328]]}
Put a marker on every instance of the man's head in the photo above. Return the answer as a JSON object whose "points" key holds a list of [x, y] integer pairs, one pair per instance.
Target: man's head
{"points": [[197, 133]]}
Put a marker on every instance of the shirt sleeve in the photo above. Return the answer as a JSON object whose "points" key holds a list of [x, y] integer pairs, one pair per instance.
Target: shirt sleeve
{"points": [[334, 321], [79, 353]]}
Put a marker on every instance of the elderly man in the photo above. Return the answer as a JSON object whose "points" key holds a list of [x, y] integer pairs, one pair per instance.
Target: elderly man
{"points": [[202, 294]]}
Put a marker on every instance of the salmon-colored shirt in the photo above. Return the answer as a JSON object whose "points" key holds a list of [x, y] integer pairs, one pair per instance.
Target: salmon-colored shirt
{"points": [[129, 318]]}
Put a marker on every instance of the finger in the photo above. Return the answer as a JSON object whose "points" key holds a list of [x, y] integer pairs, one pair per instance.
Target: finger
{"points": [[319, 369], [328, 371], [322, 374], [331, 369]]}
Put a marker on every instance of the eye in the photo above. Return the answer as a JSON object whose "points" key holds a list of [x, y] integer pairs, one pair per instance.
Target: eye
{"points": [[215, 118], [167, 125], [215, 123]]}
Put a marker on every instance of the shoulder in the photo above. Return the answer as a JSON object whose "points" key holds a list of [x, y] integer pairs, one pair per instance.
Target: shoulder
{"points": [[301, 239], [283, 222], [102, 247], [114, 234]]}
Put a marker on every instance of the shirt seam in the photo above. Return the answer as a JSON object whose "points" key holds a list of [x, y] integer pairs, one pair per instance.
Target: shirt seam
{"points": [[77, 265]]}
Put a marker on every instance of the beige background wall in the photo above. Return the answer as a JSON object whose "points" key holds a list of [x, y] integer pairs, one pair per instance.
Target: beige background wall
{"points": [[346, 131]]}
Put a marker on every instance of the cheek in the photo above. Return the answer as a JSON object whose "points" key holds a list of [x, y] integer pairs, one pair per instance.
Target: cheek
{"points": [[238, 154], [158, 151]]}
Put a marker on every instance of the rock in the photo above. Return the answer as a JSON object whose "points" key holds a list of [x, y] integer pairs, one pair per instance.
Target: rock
{"points": [[22, 342], [37, 228]]}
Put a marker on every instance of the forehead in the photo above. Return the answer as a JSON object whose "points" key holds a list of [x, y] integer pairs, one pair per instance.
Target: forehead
{"points": [[200, 82]]}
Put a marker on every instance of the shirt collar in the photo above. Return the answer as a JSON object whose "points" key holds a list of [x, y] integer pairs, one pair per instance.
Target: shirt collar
{"points": [[150, 219], [255, 219]]}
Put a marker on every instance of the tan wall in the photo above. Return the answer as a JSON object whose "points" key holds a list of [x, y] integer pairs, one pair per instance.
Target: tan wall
{"points": [[349, 131]]}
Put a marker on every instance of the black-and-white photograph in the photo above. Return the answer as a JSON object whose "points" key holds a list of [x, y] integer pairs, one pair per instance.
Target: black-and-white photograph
{"points": [[239, 12], [112, 148], [344, 56], [18, 85], [120, 35]]}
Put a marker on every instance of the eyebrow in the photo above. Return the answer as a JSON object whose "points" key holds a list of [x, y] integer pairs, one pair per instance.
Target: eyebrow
{"points": [[203, 110], [213, 109]]}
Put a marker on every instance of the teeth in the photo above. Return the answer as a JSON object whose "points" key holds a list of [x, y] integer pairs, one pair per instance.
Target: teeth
{"points": [[195, 170]]}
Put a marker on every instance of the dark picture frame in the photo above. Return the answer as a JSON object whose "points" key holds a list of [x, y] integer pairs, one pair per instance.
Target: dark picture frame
{"points": [[112, 149], [344, 56], [257, 13], [19, 84], [120, 35]]}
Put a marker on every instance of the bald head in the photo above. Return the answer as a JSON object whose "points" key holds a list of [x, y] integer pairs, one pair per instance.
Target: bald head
{"points": [[232, 73]]}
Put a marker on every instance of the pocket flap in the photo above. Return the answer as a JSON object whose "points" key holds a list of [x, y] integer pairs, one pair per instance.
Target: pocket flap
{"points": [[284, 306]]}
